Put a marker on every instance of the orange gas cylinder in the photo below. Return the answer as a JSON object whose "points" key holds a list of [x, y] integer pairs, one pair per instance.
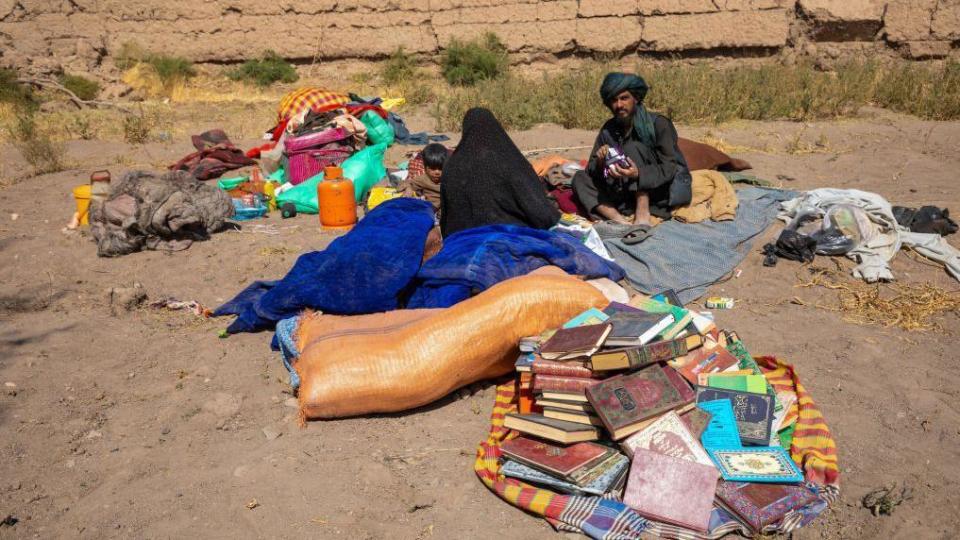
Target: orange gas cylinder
{"points": [[338, 209]]}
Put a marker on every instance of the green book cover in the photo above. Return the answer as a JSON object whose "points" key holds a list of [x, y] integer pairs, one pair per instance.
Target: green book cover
{"points": [[681, 316], [746, 361], [755, 384]]}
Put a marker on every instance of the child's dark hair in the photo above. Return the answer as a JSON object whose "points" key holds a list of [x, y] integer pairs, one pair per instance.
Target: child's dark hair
{"points": [[434, 155]]}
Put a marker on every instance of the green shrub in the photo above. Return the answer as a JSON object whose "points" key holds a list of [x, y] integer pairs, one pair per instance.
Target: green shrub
{"points": [[467, 63], [20, 95], [35, 144], [398, 68], [919, 90], [264, 71], [83, 87], [171, 69]]}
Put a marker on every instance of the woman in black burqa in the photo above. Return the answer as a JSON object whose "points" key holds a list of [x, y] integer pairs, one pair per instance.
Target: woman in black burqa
{"points": [[487, 181]]}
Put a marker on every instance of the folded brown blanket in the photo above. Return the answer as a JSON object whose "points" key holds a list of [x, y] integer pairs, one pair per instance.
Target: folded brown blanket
{"points": [[701, 156]]}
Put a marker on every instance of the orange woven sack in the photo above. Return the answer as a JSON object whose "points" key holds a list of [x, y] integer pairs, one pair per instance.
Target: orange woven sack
{"points": [[424, 361], [316, 328]]}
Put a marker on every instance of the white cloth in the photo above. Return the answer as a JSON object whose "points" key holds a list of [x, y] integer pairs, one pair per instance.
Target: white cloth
{"points": [[873, 257], [588, 235]]}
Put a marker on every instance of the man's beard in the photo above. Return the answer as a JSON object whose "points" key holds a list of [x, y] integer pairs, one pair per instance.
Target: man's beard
{"points": [[626, 120]]}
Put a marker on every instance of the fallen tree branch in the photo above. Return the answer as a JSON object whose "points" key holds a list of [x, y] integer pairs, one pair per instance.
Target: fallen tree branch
{"points": [[80, 103]]}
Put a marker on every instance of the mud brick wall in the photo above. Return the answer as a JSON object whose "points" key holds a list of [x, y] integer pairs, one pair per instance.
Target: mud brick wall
{"points": [[81, 35]]}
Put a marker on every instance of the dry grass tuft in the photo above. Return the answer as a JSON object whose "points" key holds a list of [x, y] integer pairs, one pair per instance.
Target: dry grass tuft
{"points": [[906, 306]]}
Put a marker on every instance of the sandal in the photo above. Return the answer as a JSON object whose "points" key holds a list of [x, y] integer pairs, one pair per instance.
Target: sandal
{"points": [[609, 230], [636, 234]]}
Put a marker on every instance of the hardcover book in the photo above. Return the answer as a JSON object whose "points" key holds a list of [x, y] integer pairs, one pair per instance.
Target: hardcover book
{"points": [[573, 397], [696, 420], [573, 416], [745, 360], [551, 429], [668, 296], [772, 465], [554, 459], [754, 384], [524, 363], [623, 402], [588, 474], [566, 405], [571, 368], [556, 383], [753, 412], [668, 435], [568, 343], [635, 329], [525, 393], [638, 357], [671, 490], [599, 486], [705, 360], [681, 317], [760, 505], [588, 317]]}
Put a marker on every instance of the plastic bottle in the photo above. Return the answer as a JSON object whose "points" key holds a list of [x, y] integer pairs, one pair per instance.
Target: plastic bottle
{"points": [[335, 197]]}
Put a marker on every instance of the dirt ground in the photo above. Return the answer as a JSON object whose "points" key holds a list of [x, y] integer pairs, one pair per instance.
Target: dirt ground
{"points": [[144, 423]]}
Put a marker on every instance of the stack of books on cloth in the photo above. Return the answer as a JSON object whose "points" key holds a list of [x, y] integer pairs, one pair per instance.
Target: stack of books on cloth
{"points": [[652, 404]]}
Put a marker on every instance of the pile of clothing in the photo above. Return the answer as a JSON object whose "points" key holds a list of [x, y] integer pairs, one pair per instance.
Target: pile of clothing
{"points": [[215, 155], [147, 211], [864, 227]]}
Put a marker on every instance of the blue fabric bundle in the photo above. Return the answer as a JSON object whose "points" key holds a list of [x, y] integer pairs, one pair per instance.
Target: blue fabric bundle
{"points": [[475, 259], [364, 271]]}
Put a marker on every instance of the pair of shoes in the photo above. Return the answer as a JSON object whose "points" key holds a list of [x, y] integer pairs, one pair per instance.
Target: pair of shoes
{"points": [[769, 255]]}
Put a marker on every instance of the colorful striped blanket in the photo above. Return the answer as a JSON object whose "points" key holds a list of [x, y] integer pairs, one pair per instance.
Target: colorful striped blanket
{"points": [[606, 518]]}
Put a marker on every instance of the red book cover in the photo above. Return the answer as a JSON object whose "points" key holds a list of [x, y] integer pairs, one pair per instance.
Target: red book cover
{"points": [[624, 401], [556, 383], [553, 458], [671, 490], [562, 369], [759, 505], [705, 360]]}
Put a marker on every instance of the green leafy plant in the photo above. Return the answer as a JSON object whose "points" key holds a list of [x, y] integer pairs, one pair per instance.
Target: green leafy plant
{"points": [[400, 67], [82, 87], [171, 69], [264, 71], [466, 63]]}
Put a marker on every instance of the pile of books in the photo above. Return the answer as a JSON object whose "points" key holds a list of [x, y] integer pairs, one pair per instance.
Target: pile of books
{"points": [[652, 403]]}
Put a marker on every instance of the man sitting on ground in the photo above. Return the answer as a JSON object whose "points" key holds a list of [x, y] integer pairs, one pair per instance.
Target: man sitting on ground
{"points": [[653, 175]]}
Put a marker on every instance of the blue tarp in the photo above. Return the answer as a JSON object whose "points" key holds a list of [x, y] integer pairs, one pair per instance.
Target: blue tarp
{"points": [[475, 259], [363, 271], [689, 257]]}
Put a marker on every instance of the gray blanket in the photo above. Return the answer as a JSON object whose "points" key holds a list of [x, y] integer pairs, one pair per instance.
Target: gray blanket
{"points": [[689, 257], [147, 211]]}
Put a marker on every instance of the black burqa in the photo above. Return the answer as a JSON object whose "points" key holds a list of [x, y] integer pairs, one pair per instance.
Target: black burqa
{"points": [[487, 181]]}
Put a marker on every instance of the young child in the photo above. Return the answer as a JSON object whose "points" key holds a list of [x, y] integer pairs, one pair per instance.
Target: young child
{"points": [[427, 185]]}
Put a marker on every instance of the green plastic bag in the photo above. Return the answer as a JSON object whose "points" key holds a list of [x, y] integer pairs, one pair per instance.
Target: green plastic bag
{"points": [[227, 184], [378, 130], [365, 168]]}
